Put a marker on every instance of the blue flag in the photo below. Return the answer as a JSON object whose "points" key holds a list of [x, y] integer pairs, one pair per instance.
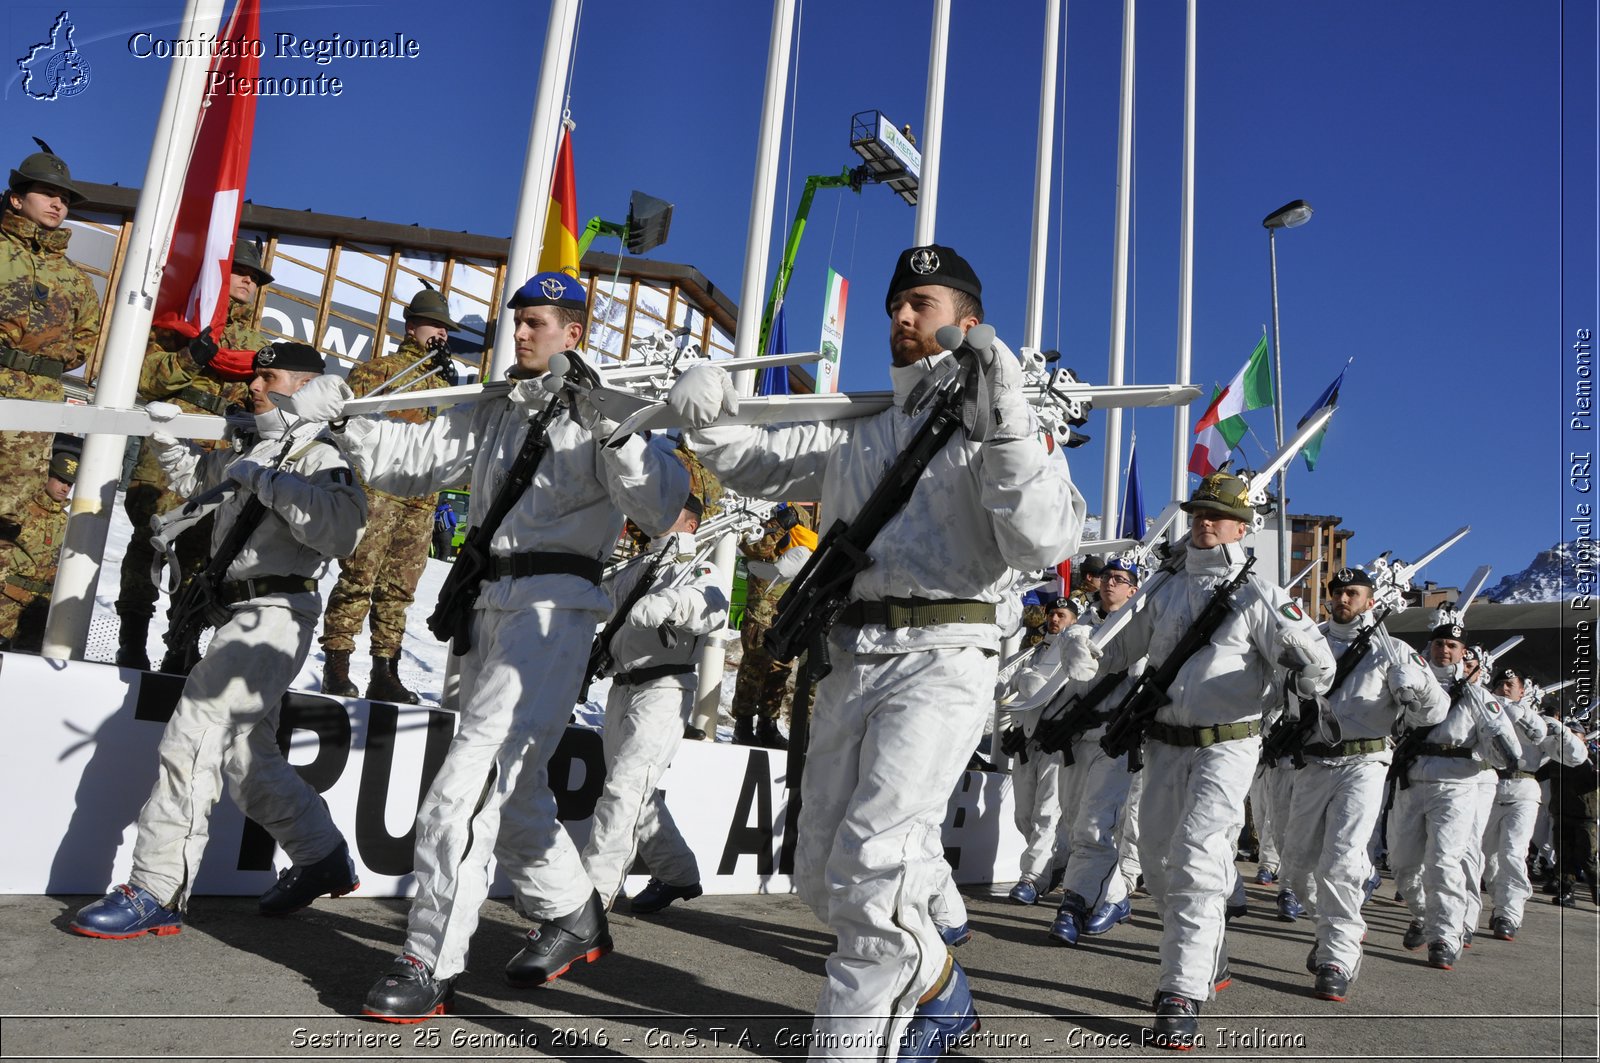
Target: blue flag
{"points": [[1130, 522], [775, 381], [1329, 396]]}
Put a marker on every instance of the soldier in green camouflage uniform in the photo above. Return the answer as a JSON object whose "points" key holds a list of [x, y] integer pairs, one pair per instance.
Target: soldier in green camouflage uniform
{"points": [[178, 370], [762, 683], [382, 574], [30, 556], [49, 317]]}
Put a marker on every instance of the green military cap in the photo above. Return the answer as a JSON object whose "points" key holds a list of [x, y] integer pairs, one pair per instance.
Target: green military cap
{"points": [[43, 167], [430, 305], [247, 258], [1223, 493]]}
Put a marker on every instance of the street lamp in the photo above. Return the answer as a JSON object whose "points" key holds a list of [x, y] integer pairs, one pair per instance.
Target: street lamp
{"points": [[1289, 216]]}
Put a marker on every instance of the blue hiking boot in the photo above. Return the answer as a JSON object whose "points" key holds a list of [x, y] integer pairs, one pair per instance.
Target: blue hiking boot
{"points": [[1024, 892], [656, 895], [1068, 924], [126, 912], [1107, 916], [1371, 886], [955, 936], [1266, 876], [333, 876], [1289, 906], [941, 1022]]}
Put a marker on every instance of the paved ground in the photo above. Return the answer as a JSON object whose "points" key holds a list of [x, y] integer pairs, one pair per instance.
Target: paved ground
{"points": [[736, 977]]}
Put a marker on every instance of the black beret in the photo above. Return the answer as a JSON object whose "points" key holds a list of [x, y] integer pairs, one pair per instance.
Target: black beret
{"points": [[1063, 603], [290, 356], [932, 264], [1348, 577]]}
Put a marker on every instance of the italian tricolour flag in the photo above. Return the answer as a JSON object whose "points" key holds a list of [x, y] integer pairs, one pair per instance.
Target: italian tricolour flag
{"points": [[1222, 426]]}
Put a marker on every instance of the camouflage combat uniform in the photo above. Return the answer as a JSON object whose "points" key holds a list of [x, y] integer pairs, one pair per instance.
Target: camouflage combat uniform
{"points": [[29, 561], [762, 683], [383, 572], [170, 375], [49, 312]]}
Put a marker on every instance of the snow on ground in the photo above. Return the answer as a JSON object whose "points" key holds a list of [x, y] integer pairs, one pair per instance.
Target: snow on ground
{"points": [[422, 657]]}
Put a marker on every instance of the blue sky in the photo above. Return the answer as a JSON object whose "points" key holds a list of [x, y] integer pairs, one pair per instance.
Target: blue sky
{"points": [[1428, 136]]}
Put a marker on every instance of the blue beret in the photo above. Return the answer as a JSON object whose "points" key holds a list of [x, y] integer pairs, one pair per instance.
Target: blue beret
{"points": [[550, 289]]}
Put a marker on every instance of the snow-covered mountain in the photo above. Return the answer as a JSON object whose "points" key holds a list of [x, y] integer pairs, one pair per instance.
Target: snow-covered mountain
{"points": [[1552, 576]]}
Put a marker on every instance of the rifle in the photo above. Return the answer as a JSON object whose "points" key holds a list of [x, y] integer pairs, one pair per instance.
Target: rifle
{"points": [[1125, 732], [451, 620], [821, 590], [196, 605], [600, 659], [1288, 736], [1062, 724], [1409, 747]]}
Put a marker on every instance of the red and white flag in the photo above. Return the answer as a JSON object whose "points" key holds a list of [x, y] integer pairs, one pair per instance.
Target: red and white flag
{"points": [[194, 284]]}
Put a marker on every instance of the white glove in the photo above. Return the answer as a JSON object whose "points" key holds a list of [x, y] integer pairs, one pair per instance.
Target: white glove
{"points": [[249, 474], [1012, 418], [1308, 671], [162, 412], [702, 394], [164, 441], [1080, 658], [322, 398], [1533, 725], [1407, 685], [651, 611]]}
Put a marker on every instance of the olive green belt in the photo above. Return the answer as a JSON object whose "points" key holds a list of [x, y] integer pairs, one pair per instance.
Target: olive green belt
{"points": [[37, 364], [32, 586], [917, 612], [1202, 736], [1355, 747], [1507, 774]]}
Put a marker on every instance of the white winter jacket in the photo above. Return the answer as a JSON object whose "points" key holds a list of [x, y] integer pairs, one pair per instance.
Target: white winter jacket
{"points": [[1236, 676], [1364, 705], [574, 505], [695, 604], [979, 513], [315, 512]]}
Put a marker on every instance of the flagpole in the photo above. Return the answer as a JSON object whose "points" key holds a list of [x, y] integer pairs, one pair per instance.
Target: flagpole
{"points": [[932, 126], [747, 332], [1180, 414], [128, 330], [1033, 314], [1277, 419], [527, 233], [1119, 269]]}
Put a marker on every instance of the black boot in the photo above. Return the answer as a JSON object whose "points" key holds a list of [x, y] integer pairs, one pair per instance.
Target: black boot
{"points": [[336, 675], [556, 944], [132, 640], [744, 731], [767, 734], [385, 683]]}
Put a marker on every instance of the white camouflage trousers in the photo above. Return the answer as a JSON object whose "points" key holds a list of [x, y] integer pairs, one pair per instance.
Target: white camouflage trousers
{"points": [[1095, 792], [1505, 846], [890, 736], [1037, 811], [644, 727], [1431, 828], [1190, 816], [1333, 807], [226, 725], [1473, 869], [492, 794]]}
